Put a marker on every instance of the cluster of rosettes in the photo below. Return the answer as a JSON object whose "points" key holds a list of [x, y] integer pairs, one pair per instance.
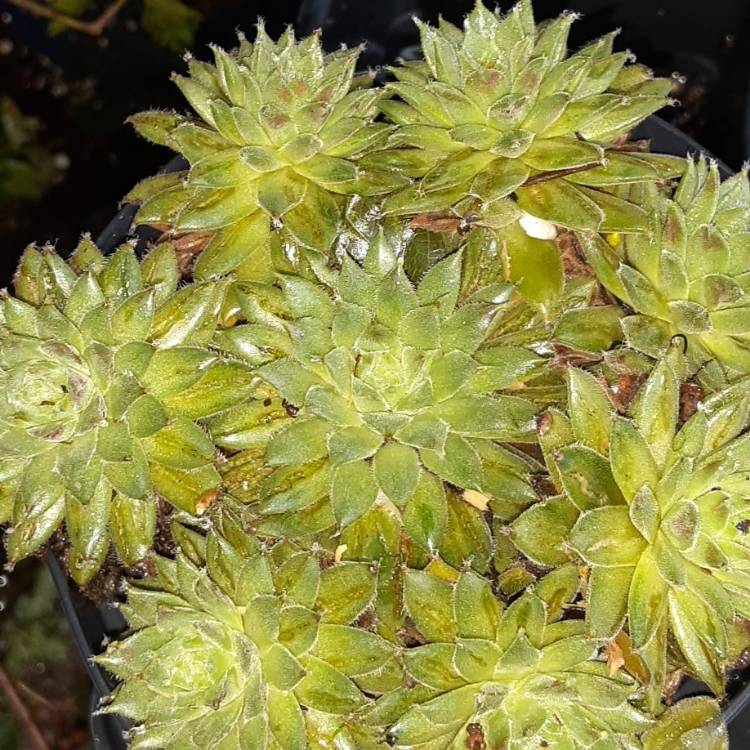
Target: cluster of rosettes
{"points": [[238, 646], [451, 408], [496, 121]]}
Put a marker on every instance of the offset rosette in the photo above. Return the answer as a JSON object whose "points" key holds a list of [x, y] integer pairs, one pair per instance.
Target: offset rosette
{"points": [[379, 394], [519, 678], [278, 145], [498, 120], [103, 371], [687, 276], [236, 647], [658, 512]]}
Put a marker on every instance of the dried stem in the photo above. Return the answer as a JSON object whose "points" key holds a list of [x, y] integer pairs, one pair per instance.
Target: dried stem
{"points": [[93, 28], [21, 713], [547, 176]]}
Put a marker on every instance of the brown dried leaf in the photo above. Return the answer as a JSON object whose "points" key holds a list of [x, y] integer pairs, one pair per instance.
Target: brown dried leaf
{"points": [[205, 501], [436, 223], [573, 261], [690, 397], [615, 657]]}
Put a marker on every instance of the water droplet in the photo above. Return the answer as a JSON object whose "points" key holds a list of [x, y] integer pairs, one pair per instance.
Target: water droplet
{"points": [[3, 581]]}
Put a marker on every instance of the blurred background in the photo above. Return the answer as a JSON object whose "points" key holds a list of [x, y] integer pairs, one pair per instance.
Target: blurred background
{"points": [[71, 71]]}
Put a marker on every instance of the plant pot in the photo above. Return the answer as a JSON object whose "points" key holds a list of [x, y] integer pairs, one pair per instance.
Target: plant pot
{"points": [[91, 625]]}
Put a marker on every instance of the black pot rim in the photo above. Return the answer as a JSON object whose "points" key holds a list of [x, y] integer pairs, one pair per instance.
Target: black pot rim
{"points": [[107, 730]]}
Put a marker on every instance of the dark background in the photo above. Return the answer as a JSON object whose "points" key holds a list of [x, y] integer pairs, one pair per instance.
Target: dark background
{"points": [[82, 89]]}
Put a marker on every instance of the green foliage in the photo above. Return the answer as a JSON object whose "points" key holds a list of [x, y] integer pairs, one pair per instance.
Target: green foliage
{"points": [[33, 630], [516, 676], [687, 276], [170, 23], [278, 142], [401, 401], [655, 512], [236, 645], [27, 168], [34, 640], [500, 102]]}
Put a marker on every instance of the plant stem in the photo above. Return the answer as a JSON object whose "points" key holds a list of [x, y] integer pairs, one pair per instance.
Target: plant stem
{"points": [[93, 28], [547, 176], [19, 710]]}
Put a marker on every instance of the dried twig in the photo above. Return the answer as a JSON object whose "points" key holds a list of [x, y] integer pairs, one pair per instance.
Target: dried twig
{"points": [[21, 713], [93, 28]]}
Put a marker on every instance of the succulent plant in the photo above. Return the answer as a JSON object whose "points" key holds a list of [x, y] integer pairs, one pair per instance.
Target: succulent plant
{"points": [[689, 723], [520, 678], [687, 275], [238, 647], [278, 145], [377, 392], [494, 111], [443, 476], [657, 511], [103, 371]]}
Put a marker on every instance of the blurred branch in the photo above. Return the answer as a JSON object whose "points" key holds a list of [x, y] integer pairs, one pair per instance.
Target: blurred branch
{"points": [[19, 710], [93, 28]]}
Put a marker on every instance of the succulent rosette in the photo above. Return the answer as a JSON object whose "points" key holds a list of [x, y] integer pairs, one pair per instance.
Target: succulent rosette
{"points": [[520, 677], [687, 275], [378, 393], [276, 147], [659, 514], [497, 109], [103, 371], [235, 646]]}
